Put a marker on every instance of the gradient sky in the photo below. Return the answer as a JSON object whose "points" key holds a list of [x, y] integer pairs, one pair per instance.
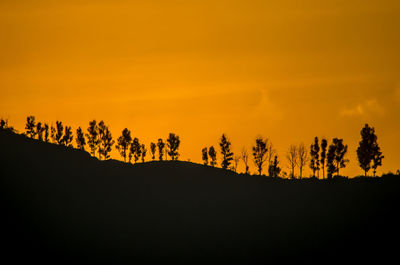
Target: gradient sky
{"points": [[287, 70]]}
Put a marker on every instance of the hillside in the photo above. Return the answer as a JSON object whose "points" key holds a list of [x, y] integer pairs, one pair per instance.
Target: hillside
{"points": [[62, 205]]}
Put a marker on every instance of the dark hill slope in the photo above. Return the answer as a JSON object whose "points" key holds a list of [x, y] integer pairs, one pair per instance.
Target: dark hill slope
{"points": [[62, 205]]}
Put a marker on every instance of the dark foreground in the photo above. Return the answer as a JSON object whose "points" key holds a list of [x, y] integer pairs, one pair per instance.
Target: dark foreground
{"points": [[59, 205]]}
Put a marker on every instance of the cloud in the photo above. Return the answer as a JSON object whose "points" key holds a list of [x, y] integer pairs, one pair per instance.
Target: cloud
{"points": [[367, 108]]}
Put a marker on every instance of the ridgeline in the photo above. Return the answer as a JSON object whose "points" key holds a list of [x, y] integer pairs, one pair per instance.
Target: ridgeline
{"points": [[60, 205]]}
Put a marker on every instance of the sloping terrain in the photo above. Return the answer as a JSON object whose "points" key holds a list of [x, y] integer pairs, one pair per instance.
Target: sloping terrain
{"points": [[61, 205]]}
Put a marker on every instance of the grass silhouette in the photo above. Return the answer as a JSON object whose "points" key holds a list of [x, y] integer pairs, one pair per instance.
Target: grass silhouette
{"points": [[60, 205]]}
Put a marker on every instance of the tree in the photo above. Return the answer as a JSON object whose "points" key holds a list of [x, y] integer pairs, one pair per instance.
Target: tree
{"points": [[68, 136], [236, 160], [173, 145], [292, 158], [135, 150], [124, 142], [314, 154], [274, 169], [153, 148], [302, 158], [213, 156], [260, 153], [80, 139], [59, 132], [53, 134], [3, 124], [204, 156], [227, 155], [245, 159], [324, 145], [336, 157], [39, 131], [368, 150], [271, 152], [30, 126], [46, 132], [106, 141], [92, 136], [143, 151], [160, 145]]}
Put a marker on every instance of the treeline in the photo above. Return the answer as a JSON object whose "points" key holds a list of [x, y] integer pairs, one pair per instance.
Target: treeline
{"points": [[321, 157]]}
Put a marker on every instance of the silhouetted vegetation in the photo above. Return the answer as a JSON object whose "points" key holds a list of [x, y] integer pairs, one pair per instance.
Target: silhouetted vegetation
{"points": [[143, 151], [160, 145], [30, 126], [302, 158], [105, 140], [260, 153], [368, 151], [68, 137], [80, 139], [135, 150], [173, 143], [92, 136], [324, 145], [292, 159], [227, 155], [274, 169], [39, 131], [213, 156], [46, 133], [124, 143], [314, 154], [204, 155], [336, 157], [59, 132], [245, 159]]}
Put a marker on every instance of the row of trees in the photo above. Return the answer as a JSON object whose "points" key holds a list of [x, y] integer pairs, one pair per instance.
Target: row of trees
{"points": [[99, 140], [320, 157]]}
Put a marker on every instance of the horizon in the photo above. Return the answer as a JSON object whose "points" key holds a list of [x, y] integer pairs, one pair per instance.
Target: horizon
{"points": [[285, 71]]}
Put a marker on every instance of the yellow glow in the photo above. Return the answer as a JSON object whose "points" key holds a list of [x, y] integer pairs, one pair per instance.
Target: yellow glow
{"points": [[288, 70]]}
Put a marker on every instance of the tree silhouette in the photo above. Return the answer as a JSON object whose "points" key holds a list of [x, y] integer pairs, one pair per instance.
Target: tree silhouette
{"points": [[68, 137], [213, 156], [274, 170], [39, 131], [292, 158], [59, 132], [124, 142], [368, 150], [153, 148], [236, 160], [53, 134], [204, 155], [3, 124], [271, 152], [227, 155], [106, 141], [302, 158], [30, 126], [143, 151], [314, 154], [80, 139], [324, 145], [173, 145], [92, 136], [160, 145], [245, 159], [135, 149], [336, 157], [260, 153], [46, 132]]}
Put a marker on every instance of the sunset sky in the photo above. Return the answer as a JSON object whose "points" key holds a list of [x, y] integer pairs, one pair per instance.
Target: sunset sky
{"points": [[287, 70]]}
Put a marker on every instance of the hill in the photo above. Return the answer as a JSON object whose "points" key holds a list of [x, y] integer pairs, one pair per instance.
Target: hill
{"points": [[60, 205]]}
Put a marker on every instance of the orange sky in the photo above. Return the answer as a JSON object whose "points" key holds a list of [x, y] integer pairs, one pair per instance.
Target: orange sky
{"points": [[288, 70]]}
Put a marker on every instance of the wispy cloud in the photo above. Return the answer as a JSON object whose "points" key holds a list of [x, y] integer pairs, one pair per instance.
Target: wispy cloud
{"points": [[366, 108]]}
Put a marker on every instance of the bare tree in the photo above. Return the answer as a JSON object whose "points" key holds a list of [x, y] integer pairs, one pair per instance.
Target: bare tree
{"points": [[302, 155], [236, 160], [271, 153], [245, 159], [292, 159]]}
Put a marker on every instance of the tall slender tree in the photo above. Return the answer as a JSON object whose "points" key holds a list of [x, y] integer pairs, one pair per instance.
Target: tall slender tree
{"points": [[291, 156], [153, 148], [324, 145], [59, 132], [30, 126], [213, 156], [124, 142], [227, 154], [274, 169], [302, 158], [143, 151], [80, 139], [68, 137], [46, 133], [53, 132], [377, 159], [135, 149], [173, 145], [39, 131], [106, 141], [204, 155], [92, 136], [314, 157], [160, 145], [236, 160], [368, 152], [260, 153], [245, 159]]}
